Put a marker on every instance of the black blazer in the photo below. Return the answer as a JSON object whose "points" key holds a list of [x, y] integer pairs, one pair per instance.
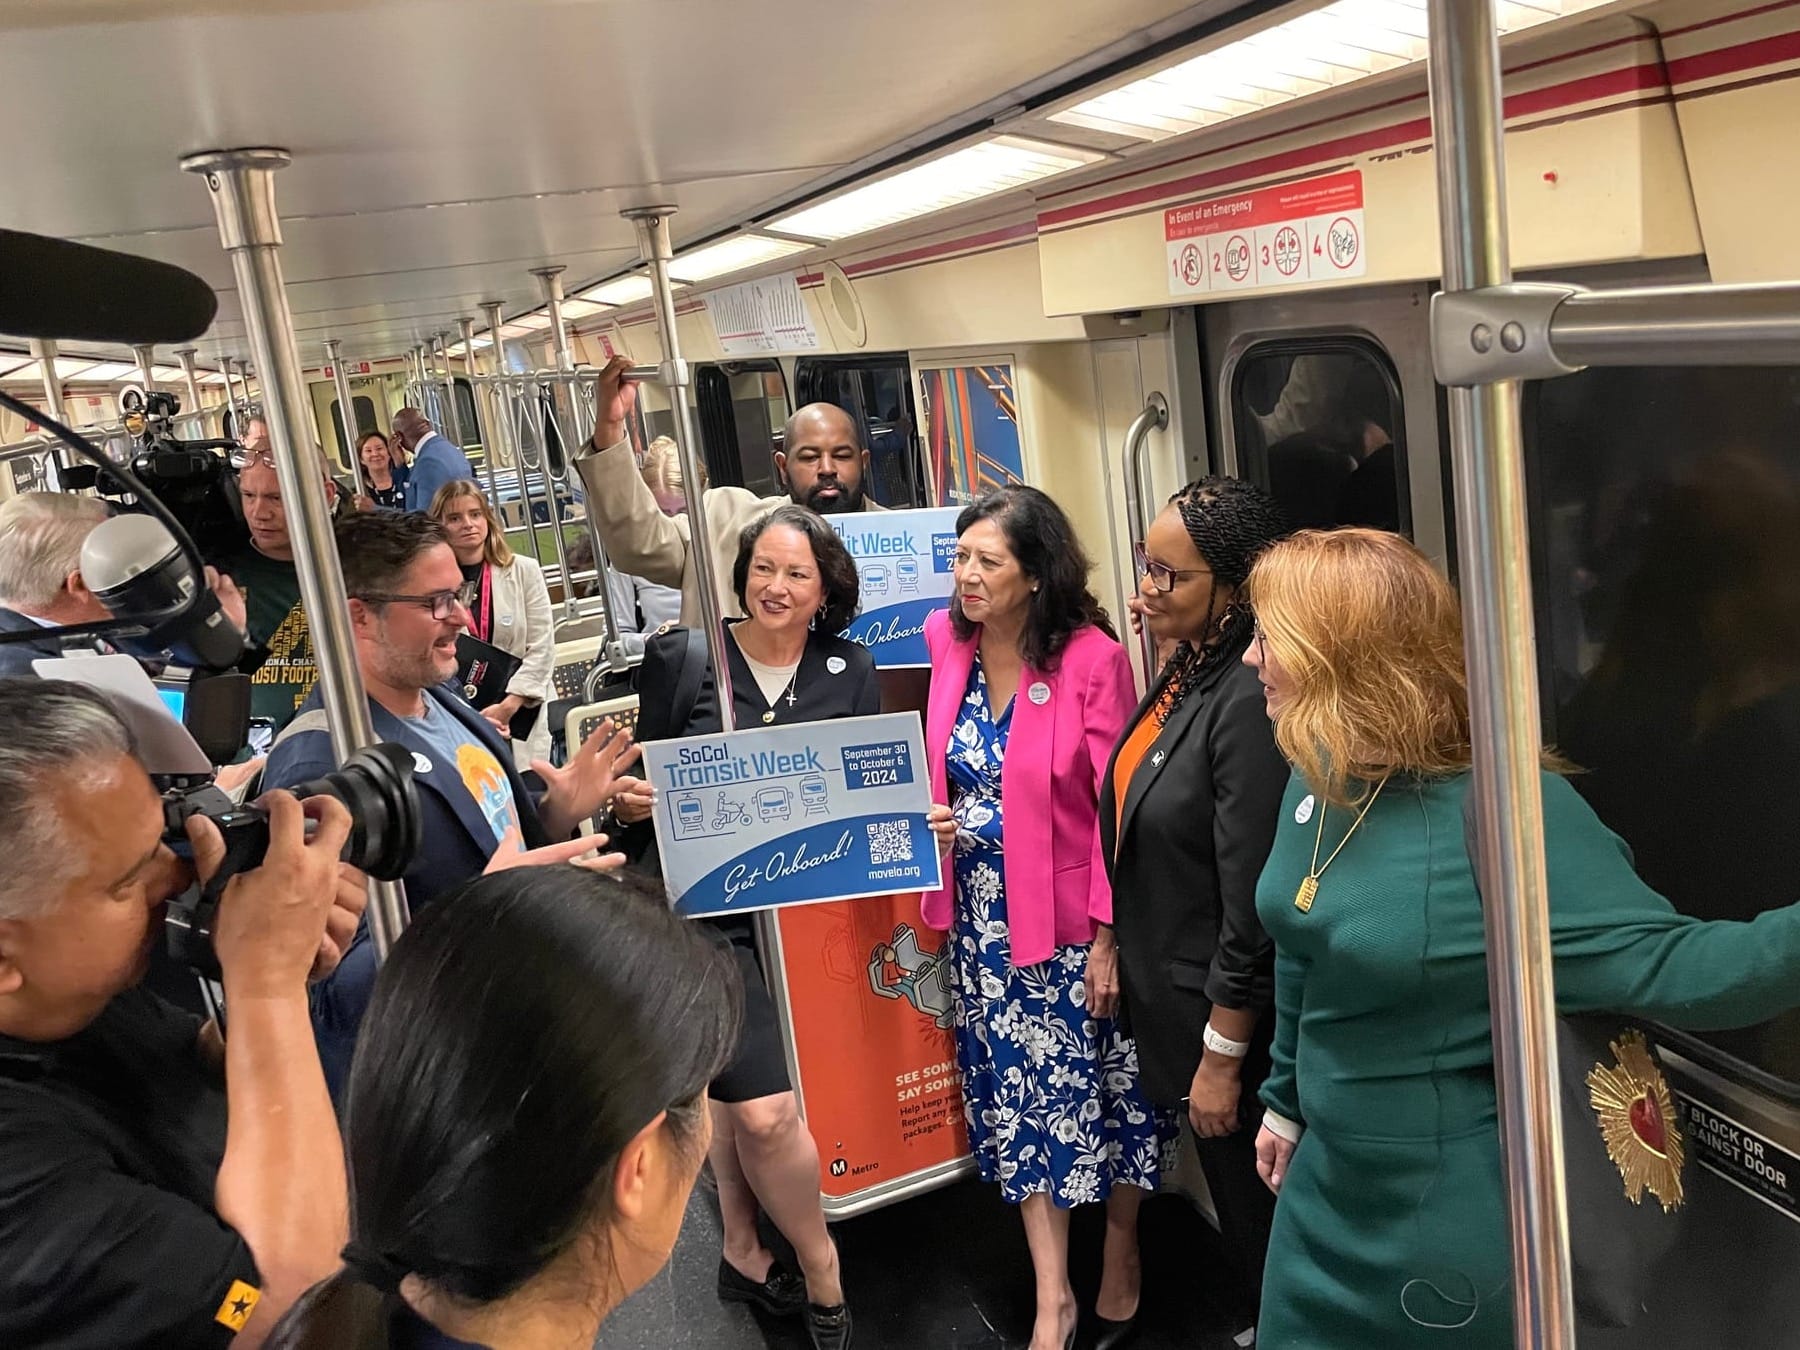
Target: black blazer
{"points": [[836, 679], [16, 657], [1199, 819]]}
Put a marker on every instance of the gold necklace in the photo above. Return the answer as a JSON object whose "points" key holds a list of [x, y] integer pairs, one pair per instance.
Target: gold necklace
{"points": [[1309, 888]]}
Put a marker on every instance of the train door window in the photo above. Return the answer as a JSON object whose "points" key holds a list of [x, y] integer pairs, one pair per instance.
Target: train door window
{"points": [[877, 391], [1665, 510], [365, 421], [465, 413], [743, 406], [1318, 423]]}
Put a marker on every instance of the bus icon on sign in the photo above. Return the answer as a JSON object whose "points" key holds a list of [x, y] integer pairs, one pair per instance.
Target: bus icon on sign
{"points": [[774, 803]]}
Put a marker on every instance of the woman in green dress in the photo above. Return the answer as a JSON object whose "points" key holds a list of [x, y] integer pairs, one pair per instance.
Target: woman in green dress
{"points": [[1380, 1135]]}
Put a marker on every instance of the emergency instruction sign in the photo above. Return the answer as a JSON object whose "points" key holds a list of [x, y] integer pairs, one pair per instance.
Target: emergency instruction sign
{"points": [[1743, 1157], [1305, 232], [836, 810], [905, 561]]}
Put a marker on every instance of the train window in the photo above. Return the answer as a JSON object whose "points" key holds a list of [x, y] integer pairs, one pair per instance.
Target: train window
{"points": [[1318, 423], [1665, 506], [743, 406], [365, 421], [877, 391], [465, 412]]}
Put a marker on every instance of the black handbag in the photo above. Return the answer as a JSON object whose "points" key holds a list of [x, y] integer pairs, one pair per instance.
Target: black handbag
{"points": [[1623, 1153]]}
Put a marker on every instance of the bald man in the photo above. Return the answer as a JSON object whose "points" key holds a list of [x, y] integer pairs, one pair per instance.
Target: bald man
{"points": [[435, 460], [823, 464]]}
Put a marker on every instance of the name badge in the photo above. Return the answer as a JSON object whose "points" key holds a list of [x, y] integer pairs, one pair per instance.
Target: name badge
{"points": [[1039, 693]]}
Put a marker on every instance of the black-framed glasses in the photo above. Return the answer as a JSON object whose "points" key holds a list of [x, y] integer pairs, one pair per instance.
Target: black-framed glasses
{"points": [[1162, 576], [443, 605]]}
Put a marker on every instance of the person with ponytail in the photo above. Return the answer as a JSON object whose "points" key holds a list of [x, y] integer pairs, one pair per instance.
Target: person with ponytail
{"points": [[527, 1115], [1187, 813]]}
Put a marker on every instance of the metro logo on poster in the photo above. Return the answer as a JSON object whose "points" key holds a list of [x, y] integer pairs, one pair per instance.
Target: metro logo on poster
{"points": [[1308, 231]]}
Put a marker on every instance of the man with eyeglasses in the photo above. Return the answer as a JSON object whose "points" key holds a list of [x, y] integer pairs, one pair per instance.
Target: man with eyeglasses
{"points": [[478, 814]]}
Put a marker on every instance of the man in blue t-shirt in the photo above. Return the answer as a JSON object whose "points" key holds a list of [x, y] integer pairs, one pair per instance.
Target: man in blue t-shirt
{"points": [[478, 815]]}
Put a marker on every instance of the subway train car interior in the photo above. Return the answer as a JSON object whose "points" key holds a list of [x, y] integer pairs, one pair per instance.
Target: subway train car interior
{"points": [[1514, 279]]}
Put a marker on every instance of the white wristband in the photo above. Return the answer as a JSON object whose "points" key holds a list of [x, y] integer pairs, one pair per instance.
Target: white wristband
{"points": [[1220, 1046]]}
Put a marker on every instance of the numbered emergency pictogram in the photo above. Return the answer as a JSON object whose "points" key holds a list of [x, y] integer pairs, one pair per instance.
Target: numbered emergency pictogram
{"points": [[1343, 241], [1289, 251], [1237, 257], [1190, 266]]}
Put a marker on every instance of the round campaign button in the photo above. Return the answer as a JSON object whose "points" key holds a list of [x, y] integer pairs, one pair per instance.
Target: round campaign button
{"points": [[1039, 693], [836, 664], [1303, 812], [422, 764]]}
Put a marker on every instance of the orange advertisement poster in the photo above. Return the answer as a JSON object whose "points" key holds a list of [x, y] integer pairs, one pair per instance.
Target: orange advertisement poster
{"points": [[870, 993]]}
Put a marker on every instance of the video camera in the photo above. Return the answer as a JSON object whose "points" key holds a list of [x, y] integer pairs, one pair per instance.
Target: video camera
{"points": [[193, 479]]}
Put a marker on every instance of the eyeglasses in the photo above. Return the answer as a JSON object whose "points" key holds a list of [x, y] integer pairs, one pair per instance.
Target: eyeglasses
{"points": [[444, 605], [1162, 576], [242, 459]]}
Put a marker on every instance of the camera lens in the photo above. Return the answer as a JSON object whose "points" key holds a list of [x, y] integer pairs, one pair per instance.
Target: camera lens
{"points": [[376, 784]]}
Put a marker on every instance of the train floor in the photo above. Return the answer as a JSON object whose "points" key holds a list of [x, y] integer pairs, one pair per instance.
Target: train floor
{"points": [[944, 1271]]}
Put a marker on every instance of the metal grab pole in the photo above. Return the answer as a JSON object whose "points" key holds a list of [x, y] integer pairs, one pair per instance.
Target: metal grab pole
{"points": [[43, 350], [240, 412], [191, 377], [563, 406], [346, 415], [1154, 416], [242, 184], [484, 415], [653, 245], [146, 364], [1487, 451], [494, 437], [439, 349]]}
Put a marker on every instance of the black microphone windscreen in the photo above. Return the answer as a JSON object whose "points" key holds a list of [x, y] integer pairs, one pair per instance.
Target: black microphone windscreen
{"points": [[57, 289]]}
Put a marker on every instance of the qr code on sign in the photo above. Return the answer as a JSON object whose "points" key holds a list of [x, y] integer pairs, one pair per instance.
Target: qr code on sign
{"points": [[889, 842]]}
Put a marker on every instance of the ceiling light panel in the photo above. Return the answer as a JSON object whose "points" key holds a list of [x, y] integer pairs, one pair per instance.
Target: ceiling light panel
{"points": [[733, 255], [531, 322], [998, 164], [1323, 49], [582, 309], [109, 370], [623, 291]]}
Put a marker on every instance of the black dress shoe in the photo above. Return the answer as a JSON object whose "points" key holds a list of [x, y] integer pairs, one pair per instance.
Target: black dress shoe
{"points": [[782, 1294], [829, 1327], [1110, 1335]]}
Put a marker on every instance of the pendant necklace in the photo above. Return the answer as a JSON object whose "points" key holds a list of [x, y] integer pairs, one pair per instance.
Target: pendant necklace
{"points": [[789, 695], [1309, 888]]}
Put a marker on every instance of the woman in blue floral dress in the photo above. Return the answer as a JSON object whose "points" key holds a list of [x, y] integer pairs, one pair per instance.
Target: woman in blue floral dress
{"points": [[1029, 692]]}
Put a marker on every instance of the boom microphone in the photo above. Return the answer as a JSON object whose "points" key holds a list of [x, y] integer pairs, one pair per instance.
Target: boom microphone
{"points": [[60, 290]]}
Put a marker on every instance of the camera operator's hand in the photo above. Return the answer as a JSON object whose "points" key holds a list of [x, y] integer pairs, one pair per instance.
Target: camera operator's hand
{"points": [[340, 924], [580, 788], [583, 852], [272, 920], [231, 599]]}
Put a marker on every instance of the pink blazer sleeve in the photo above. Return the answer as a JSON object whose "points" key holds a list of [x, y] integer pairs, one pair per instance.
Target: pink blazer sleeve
{"points": [[1110, 699]]}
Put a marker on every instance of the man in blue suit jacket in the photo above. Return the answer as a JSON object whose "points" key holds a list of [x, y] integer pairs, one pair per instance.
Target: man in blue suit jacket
{"points": [[479, 815], [435, 460]]}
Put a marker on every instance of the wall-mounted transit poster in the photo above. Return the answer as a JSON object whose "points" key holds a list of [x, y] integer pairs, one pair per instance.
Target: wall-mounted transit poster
{"points": [[971, 430]]}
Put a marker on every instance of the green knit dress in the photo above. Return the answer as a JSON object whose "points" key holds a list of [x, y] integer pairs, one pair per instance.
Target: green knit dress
{"points": [[1390, 1232]]}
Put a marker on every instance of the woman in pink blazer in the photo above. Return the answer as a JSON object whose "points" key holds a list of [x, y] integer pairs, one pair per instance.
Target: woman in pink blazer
{"points": [[1030, 691]]}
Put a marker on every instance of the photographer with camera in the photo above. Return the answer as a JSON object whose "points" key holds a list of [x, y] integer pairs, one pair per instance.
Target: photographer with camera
{"points": [[403, 583], [159, 1185]]}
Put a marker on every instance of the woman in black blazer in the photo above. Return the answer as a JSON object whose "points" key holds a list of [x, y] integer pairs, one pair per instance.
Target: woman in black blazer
{"points": [[1187, 814], [799, 588]]}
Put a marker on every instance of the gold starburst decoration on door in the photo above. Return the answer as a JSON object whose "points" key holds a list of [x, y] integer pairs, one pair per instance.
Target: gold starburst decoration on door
{"points": [[1637, 1118]]}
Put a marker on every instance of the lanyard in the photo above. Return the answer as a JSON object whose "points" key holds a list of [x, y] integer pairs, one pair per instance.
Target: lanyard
{"points": [[481, 610]]}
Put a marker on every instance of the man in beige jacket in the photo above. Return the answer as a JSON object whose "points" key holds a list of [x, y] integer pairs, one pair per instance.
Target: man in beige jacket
{"points": [[823, 463]]}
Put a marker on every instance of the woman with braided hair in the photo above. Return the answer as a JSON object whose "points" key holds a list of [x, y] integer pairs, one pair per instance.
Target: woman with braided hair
{"points": [[1187, 813]]}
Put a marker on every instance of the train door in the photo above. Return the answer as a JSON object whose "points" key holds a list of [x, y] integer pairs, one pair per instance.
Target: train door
{"points": [[1329, 401], [877, 390]]}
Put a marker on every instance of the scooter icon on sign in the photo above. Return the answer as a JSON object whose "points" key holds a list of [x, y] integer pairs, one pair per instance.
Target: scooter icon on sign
{"points": [[729, 813]]}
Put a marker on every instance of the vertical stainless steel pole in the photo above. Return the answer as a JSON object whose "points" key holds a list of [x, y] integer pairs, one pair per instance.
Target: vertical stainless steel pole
{"points": [[550, 279], [242, 184], [484, 408], [504, 419], [43, 350], [346, 415], [191, 377], [1488, 456], [240, 411], [453, 411], [653, 245], [146, 363]]}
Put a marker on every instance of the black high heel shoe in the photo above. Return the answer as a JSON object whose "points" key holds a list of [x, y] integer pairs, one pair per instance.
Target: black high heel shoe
{"points": [[1110, 1335]]}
